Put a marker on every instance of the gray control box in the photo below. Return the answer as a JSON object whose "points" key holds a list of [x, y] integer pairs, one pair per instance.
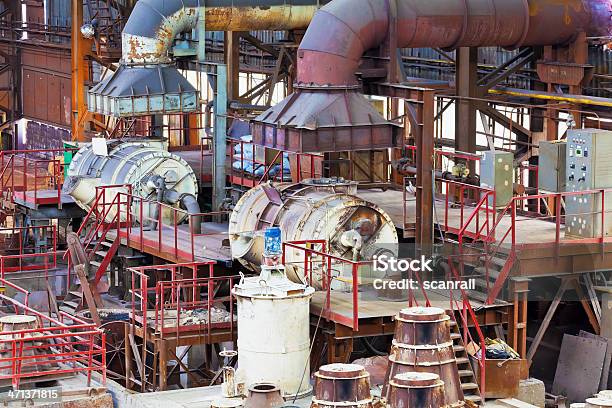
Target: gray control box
{"points": [[497, 173], [552, 166], [589, 167]]}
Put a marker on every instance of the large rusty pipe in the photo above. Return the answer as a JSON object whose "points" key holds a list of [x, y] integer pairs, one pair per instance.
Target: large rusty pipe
{"points": [[153, 24], [343, 30]]}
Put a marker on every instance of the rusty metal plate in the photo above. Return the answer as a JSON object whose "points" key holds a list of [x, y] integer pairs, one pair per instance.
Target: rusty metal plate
{"points": [[603, 383], [579, 368]]}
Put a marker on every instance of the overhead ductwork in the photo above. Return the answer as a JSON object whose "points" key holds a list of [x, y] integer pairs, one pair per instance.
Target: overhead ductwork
{"points": [[344, 30], [148, 37], [154, 24]]}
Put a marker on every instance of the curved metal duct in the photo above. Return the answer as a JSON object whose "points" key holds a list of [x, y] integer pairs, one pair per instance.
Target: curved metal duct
{"points": [[153, 24], [342, 31]]}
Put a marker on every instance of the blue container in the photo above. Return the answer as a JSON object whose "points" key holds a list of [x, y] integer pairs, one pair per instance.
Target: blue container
{"points": [[272, 241]]}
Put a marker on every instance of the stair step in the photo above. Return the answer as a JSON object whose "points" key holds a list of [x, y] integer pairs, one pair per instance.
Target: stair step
{"points": [[70, 303], [462, 360], [455, 336], [106, 244], [95, 263], [458, 349], [466, 373], [67, 309], [473, 397], [102, 253], [482, 271], [469, 386]]}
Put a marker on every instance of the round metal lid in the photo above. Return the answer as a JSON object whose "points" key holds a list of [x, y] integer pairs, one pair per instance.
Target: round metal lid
{"points": [[339, 370], [415, 379], [423, 314]]}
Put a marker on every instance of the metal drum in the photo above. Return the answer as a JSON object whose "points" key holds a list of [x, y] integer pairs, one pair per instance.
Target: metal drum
{"points": [[416, 390], [422, 343], [342, 385]]}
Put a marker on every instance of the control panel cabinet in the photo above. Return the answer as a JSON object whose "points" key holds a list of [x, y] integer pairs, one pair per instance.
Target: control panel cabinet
{"points": [[588, 167]]}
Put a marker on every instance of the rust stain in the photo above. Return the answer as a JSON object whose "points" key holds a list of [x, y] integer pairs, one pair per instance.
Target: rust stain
{"points": [[537, 7]]}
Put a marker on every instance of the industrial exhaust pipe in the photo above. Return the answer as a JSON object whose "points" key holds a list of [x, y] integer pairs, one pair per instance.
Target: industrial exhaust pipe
{"points": [[324, 107], [153, 24]]}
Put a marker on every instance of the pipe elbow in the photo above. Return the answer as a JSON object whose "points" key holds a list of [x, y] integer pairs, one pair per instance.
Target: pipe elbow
{"points": [[190, 203], [339, 34]]}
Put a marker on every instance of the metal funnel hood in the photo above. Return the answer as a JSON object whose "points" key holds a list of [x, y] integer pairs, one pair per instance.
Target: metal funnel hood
{"points": [[143, 90], [320, 119]]}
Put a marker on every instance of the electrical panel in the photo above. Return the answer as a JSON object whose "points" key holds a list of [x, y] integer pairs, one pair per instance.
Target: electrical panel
{"points": [[551, 165], [497, 173], [588, 167]]}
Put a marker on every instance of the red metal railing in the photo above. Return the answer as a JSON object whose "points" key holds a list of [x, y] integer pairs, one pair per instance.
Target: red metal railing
{"points": [[30, 176], [314, 260], [58, 349], [169, 235], [468, 210], [17, 255], [549, 210], [318, 268], [463, 308], [149, 225], [411, 151], [175, 295], [250, 161]]}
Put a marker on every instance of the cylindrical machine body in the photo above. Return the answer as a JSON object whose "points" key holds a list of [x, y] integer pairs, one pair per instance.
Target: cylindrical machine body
{"points": [[313, 210], [416, 390], [130, 162], [274, 340], [422, 343], [346, 385]]}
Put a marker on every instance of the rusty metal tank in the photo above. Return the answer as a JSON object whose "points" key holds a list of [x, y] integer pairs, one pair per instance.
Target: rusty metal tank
{"points": [[423, 344], [316, 209], [345, 385], [416, 390]]}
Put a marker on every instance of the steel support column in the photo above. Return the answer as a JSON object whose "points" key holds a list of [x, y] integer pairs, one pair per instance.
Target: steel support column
{"points": [[220, 137], [81, 48], [517, 325], [232, 61], [466, 78], [425, 167]]}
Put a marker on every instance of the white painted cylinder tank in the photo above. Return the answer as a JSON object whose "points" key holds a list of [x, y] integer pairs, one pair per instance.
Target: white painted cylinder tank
{"points": [[274, 333]]}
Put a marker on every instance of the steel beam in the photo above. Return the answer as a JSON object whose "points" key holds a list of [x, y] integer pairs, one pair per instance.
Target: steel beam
{"points": [[220, 137], [466, 77]]}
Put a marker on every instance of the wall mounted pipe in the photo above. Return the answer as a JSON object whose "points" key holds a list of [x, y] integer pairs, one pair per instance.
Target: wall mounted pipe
{"points": [[153, 24], [343, 30]]}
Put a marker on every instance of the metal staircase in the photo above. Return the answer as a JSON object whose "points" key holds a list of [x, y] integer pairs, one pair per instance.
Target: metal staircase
{"points": [[91, 252], [469, 382]]}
